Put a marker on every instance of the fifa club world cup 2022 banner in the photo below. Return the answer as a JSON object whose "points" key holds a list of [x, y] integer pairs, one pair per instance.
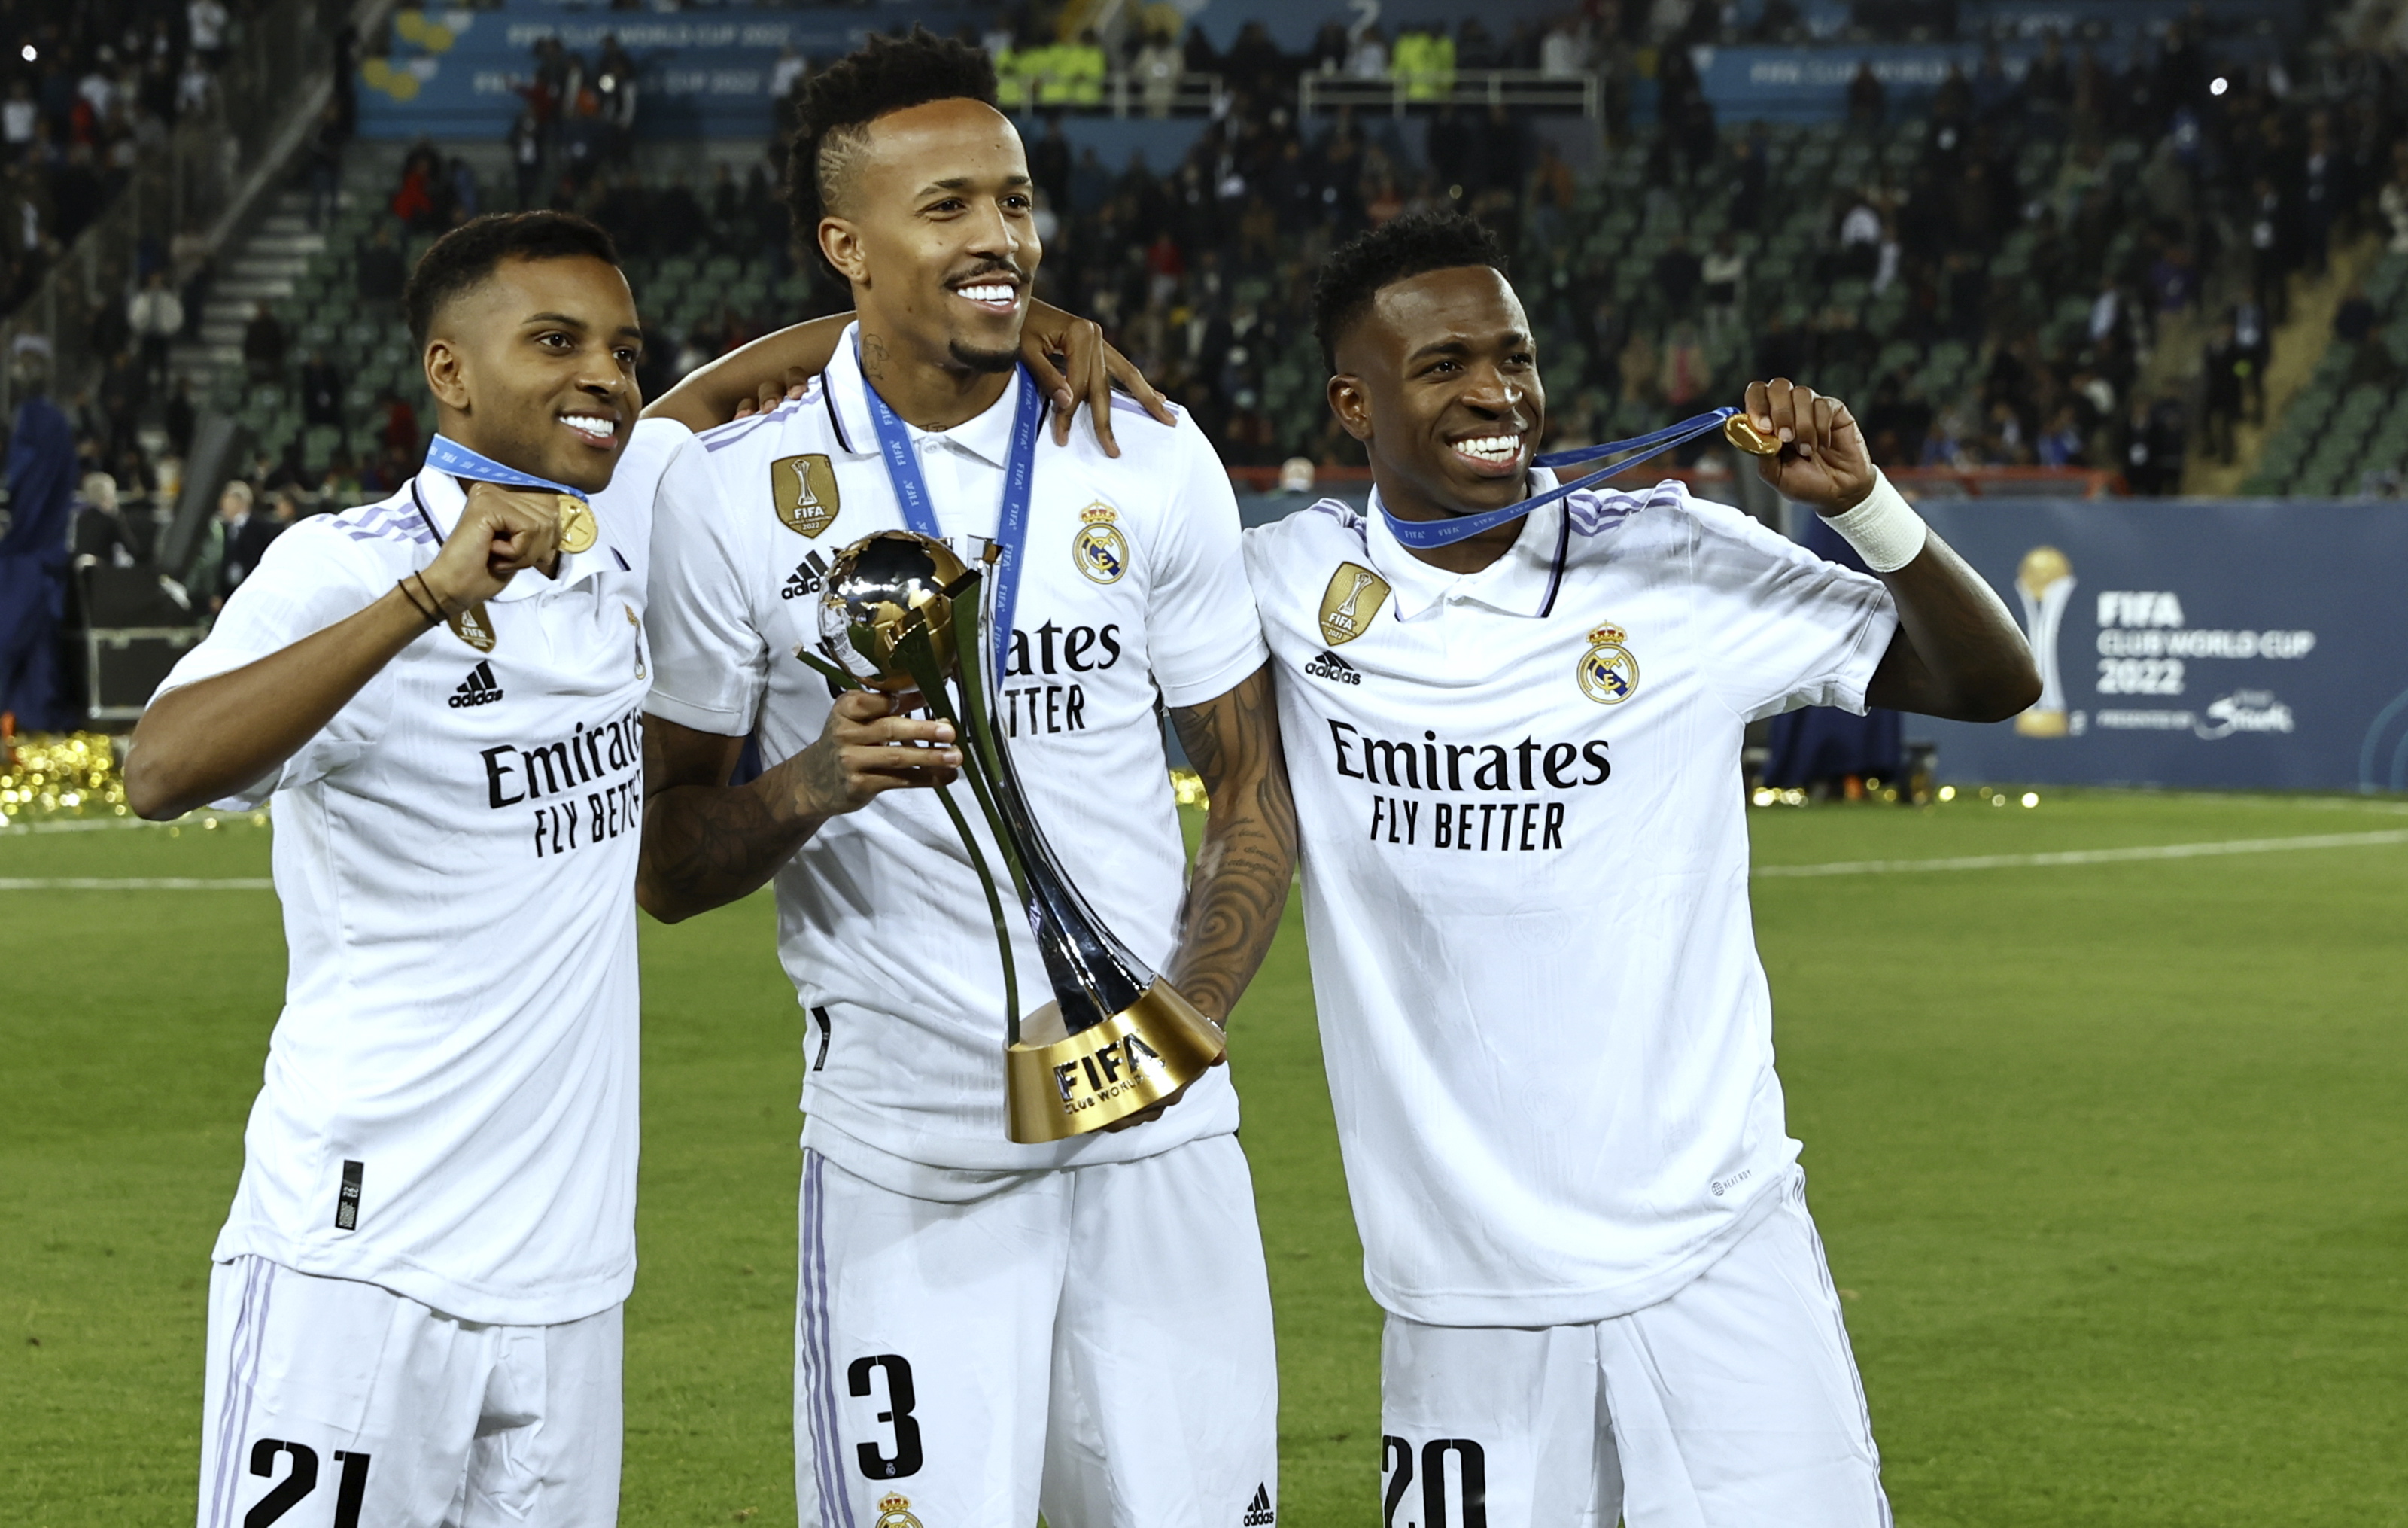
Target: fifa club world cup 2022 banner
{"points": [[2189, 642]]}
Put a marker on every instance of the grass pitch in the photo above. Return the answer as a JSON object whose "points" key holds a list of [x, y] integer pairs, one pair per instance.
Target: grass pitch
{"points": [[2109, 1157]]}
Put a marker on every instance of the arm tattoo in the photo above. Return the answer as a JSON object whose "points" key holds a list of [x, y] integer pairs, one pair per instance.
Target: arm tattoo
{"points": [[1243, 868], [707, 845]]}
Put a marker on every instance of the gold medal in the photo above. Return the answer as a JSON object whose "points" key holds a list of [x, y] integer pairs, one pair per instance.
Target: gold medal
{"points": [[577, 527], [1742, 433]]}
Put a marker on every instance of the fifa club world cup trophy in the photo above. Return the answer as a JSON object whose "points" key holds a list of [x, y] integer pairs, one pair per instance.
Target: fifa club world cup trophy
{"points": [[902, 614]]}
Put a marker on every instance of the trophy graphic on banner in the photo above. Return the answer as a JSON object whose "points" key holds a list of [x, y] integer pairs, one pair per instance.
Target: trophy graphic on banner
{"points": [[2044, 580], [901, 613]]}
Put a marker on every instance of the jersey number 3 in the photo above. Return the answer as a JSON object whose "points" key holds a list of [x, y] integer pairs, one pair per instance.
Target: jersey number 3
{"points": [[907, 1458]]}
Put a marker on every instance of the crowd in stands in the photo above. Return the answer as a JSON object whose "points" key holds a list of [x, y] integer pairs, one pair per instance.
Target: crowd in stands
{"points": [[1983, 273]]}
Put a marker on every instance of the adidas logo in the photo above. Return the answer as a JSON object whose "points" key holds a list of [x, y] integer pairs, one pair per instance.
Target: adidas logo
{"points": [[1259, 1513], [479, 689], [1336, 670], [805, 580]]}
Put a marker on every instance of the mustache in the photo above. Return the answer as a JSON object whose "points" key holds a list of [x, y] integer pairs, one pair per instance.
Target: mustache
{"points": [[992, 267]]}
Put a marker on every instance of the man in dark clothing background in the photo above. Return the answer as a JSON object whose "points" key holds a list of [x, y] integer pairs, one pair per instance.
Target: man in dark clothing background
{"points": [[34, 553]]}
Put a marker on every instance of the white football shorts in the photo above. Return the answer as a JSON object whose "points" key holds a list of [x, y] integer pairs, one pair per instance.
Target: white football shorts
{"points": [[333, 1404], [1095, 1342], [1732, 1403]]}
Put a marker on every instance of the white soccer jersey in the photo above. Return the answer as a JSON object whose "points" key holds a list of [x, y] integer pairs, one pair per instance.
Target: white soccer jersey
{"points": [[1131, 587], [1524, 859], [450, 1101]]}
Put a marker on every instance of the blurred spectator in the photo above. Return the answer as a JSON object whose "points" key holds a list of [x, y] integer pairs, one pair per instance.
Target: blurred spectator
{"points": [[321, 392], [263, 345], [205, 23], [381, 274], [243, 539], [527, 159], [1868, 102], [322, 162], [156, 316], [2394, 199], [2221, 364], [33, 548], [100, 532]]}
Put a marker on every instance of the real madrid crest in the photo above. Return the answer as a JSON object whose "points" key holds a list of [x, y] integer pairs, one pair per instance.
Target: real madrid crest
{"points": [[1607, 674], [802, 490], [474, 627], [1354, 597], [894, 1511], [1099, 548]]}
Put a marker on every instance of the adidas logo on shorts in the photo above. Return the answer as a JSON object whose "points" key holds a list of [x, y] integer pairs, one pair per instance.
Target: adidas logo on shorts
{"points": [[1336, 670], [1259, 1513], [479, 689]]}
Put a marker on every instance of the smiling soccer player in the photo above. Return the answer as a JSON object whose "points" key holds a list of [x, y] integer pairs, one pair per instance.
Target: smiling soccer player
{"points": [[985, 1328], [414, 1315], [1514, 755]]}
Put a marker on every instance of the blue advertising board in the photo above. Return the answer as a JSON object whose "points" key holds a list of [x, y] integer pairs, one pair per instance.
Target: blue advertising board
{"points": [[458, 74], [2193, 642]]}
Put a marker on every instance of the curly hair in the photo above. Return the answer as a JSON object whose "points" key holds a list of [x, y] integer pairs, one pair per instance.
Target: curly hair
{"points": [[463, 258], [1412, 245], [839, 103]]}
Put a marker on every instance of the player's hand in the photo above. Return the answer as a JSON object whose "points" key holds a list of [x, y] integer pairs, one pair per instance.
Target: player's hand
{"points": [[868, 748], [1156, 1112], [1823, 460], [1090, 367], [793, 384], [502, 533]]}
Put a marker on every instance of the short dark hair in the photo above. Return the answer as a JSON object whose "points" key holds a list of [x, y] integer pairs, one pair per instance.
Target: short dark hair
{"points": [[467, 254], [1397, 251], [887, 74]]}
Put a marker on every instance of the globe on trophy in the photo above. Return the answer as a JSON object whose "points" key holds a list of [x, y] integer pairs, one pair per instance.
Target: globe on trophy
{"points": [[901, 613]]}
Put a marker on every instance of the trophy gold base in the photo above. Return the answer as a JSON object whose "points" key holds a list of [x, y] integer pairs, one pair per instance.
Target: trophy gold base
{"points": [[2040, 724], [1057, 1086]]}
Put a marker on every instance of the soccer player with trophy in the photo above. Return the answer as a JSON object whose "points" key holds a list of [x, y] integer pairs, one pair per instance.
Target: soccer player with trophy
{"points": [[1047, 1294], [1512, 711]]}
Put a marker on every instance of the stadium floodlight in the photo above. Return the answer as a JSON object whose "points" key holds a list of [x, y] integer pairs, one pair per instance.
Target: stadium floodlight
{"points": [[29, 52]]}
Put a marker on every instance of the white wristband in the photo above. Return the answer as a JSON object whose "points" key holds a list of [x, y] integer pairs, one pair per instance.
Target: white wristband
{"points": [[1884, 529]]}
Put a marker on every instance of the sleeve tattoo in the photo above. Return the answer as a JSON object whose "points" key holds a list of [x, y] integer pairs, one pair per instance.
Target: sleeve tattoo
{"points": [[1239, 892]]}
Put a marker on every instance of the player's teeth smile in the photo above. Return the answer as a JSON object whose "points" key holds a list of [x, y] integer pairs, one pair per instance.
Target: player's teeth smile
{"points": [[1490, 450], [594, 428], [995, 297]]}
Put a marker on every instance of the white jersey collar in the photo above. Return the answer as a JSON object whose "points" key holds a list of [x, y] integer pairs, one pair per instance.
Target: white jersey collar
{"points": [[987, 436], [440, 499], [1513, 584]]}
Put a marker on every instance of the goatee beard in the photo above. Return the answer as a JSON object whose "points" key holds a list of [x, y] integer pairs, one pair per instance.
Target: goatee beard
{"points": [[983, 360]]}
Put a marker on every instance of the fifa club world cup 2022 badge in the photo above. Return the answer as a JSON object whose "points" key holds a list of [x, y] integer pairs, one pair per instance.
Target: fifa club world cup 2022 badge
{"points": [[474, 627], [803, 489], [1607, 674], [1097, 547], [1351, 602]]}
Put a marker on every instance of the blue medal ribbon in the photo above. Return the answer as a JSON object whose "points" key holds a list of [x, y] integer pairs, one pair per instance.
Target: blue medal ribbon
{"points": [[1422, 535], [445, 455], [1011, 520]]}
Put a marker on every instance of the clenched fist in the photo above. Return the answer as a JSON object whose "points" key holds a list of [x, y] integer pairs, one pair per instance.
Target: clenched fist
{"points": [[502, 533]]}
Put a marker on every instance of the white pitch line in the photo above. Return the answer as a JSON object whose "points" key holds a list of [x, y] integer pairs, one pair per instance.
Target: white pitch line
{"points": [[2089, 856], [157, 883]]}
